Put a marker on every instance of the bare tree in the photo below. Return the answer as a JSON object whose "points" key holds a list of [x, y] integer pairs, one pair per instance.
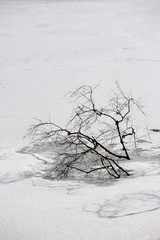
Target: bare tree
{"points": [[94, 140]]}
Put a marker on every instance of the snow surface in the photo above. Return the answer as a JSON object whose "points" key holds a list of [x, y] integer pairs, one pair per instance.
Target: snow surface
{"points": [[32, 207], [47, 48]]}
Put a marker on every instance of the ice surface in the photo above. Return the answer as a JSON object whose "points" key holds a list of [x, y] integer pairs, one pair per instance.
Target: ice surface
{"points": [[48, 48]]}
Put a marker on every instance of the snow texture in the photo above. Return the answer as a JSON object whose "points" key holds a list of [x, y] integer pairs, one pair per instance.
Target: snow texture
{"points": [[47, 48]]}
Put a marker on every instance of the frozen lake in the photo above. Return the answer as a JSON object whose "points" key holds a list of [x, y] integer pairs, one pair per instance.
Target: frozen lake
{"points": [[48, 48]]}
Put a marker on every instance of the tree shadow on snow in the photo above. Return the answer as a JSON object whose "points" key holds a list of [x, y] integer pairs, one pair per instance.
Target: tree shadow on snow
{"points": [[125, 205], [7, 178]]}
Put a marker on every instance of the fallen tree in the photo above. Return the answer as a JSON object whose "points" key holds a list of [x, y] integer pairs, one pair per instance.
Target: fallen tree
{"points": [[94, 139]]}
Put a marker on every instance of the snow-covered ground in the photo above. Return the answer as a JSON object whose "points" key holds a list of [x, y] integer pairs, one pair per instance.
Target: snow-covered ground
{"points": [[47, 48], [32, 207]]}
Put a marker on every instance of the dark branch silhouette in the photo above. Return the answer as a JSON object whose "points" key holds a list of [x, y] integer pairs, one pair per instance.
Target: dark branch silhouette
{"points": [[94, 139]]}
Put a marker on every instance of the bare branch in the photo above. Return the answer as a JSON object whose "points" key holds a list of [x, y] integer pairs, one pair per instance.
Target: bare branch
{"points": [[94, 138]]}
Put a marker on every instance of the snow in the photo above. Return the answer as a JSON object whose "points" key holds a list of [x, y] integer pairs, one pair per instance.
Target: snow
{"points": [[33, 207], [48, 48]]}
